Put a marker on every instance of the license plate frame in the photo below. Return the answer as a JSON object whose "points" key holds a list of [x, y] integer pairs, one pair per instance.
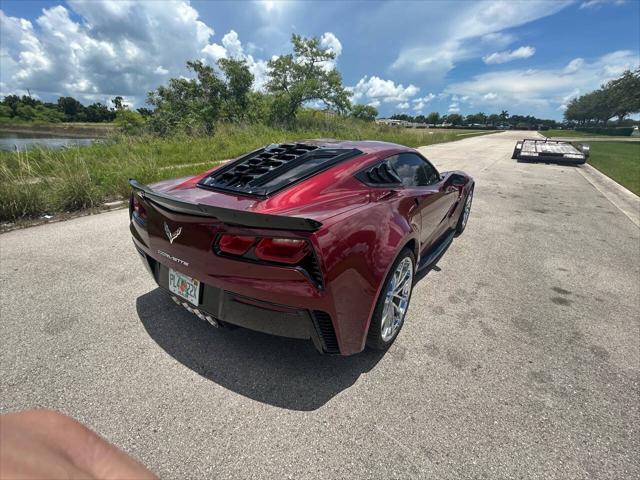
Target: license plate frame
{"points": [[185, 287]]}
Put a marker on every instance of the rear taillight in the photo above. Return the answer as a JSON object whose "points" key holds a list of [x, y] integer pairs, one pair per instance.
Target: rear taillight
{"points": [[282, 250], [285, 252], [235, 244], [138, 211], [289, 251]]}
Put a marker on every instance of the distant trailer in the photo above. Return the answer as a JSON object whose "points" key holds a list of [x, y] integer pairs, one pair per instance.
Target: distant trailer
{"points": [[539, 150]]}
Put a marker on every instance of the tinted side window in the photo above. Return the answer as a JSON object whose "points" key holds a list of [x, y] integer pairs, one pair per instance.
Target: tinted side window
{"points": [[413, 170]]}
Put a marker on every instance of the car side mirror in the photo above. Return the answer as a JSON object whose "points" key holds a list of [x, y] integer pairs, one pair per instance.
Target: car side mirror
{"points": [[456, 180]]}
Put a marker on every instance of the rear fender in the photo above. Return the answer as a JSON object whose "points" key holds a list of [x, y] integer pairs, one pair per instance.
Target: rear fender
{"points": [[357, 253]]}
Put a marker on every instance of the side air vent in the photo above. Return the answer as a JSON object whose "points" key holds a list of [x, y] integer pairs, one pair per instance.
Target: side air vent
{"points": [[380, 175], [324, 326], [274, 167], [311, 266]]}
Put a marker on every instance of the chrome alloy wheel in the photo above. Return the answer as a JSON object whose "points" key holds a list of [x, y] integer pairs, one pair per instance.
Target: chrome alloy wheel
{"points": [[397, 299], [467, 209]]}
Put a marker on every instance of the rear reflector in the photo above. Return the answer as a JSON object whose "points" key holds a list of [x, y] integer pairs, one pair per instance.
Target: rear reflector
{"points": [[235, 244], [138, 211], [282, 250]]}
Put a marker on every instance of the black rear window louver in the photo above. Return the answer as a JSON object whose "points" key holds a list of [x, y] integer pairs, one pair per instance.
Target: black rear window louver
{"points": [[381, 174], [324, 325], [274, 167]]}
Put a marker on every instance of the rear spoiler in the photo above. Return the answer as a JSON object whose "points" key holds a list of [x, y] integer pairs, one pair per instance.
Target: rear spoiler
{"points": [[226, 215]]}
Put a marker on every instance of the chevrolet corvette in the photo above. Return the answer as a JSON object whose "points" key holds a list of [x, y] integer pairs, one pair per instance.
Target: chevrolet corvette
{"points": [[318, 240]]}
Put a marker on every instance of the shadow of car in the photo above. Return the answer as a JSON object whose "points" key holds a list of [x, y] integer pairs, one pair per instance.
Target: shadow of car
{"points": [[279, 371]]}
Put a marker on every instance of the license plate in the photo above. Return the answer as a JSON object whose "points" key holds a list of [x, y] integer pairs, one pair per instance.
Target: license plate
{"points": [[184, 286]]}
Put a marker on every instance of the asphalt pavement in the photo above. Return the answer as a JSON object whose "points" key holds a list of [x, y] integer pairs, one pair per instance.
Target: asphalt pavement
{"points": [[519, 358]]}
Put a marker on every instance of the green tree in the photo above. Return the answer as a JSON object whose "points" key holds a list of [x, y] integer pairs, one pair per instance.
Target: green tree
{"points": [[624, 94], [238, 85], [129, 122], [195, 105], [454, 119], [402, 116], [145, 112], [305, 76], [493, 119], [12, 101], [97, 112], [364, 112], [118, 103], [504, 116], [259, 107], [5, 111], [72, 109], [433, 118]]}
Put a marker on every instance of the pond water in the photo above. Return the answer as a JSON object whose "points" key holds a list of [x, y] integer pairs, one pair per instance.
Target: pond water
{"points": [[24, 141]]}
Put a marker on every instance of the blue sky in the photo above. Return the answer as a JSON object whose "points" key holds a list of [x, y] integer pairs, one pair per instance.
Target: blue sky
{"points": [[526, 56]]}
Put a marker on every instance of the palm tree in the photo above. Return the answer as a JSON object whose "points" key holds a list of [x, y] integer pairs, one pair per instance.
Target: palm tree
{"points": [[504, 115]]}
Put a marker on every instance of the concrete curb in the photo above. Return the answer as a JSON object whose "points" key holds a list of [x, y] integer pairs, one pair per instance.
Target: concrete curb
{"points": [[625, 200]]}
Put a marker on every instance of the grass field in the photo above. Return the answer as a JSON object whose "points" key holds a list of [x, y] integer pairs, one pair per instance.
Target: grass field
{"points": [[41, 181], [568, 133], [576, 133], [618, 160]]}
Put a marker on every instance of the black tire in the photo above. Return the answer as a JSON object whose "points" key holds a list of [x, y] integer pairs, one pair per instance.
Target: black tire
{"points": [[461, 225], [374, 336]]}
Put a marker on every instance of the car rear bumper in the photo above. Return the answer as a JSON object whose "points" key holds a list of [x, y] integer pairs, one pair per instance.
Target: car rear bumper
{"points": [[235, 309]]}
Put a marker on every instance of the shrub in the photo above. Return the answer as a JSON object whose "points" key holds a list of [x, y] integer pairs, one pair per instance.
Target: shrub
{"points": [[612, 131]]}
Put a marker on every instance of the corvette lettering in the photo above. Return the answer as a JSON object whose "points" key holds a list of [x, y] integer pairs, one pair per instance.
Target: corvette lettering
{"points": [[171, 257]]}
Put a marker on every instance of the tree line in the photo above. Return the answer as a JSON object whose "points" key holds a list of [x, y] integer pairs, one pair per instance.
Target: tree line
{"points": [[616, 99], [502, 119], [66, 109]]}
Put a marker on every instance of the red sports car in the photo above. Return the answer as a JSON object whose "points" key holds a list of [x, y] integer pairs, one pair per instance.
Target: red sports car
{"points": [[316, 240]]}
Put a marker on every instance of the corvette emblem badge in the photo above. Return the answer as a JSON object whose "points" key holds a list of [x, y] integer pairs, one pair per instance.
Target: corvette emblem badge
{"points": [[171, 236]]}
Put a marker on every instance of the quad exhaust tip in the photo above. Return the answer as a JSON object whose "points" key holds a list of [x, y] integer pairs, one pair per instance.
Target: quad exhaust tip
{"points": [[196, 312]]}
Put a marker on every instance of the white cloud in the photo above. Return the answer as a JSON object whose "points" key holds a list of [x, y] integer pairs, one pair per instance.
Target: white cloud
{"points": [[215, 51], [95, 50], [329, 41], [387, 91], [232, 48], [113, 48], [508, 56], [454, 108], [573, 66], [542, 90], [374, 103], [232, 44], [598, 3], [403, 105], [420, 103], [272, 7], [476, 31]]}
